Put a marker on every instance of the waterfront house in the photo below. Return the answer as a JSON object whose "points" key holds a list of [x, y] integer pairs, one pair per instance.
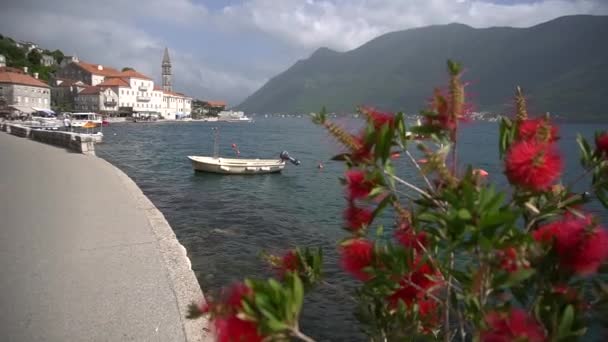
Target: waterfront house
{"points": [[21, 93]]}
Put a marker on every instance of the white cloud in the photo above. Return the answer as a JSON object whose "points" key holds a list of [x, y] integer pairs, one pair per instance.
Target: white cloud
{"points": [[132, 33], [346, 24]]}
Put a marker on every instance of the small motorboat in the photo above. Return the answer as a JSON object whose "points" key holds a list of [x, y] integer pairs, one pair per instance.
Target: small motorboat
{"points": [[239, 166]]}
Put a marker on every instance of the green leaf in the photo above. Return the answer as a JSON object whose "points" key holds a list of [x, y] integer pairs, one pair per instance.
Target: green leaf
{"points": [[464, 214], [298, 293], [565, 324], [519, 276]]}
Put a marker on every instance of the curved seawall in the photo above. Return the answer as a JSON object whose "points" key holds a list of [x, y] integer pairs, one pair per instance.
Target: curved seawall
{"points": [[85, 255]]}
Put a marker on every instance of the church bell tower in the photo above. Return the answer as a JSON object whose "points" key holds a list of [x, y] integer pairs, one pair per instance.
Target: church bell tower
{"points": [[167, 76]]}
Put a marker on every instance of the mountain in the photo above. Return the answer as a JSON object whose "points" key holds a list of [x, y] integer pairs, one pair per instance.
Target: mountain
{"points": [[562, 65]]}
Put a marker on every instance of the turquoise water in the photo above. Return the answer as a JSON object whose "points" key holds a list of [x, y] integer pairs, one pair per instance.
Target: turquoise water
{"points": [[225, 221]]}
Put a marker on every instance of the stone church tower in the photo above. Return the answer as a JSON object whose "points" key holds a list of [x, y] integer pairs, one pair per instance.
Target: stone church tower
{"points": [[166, 74]]}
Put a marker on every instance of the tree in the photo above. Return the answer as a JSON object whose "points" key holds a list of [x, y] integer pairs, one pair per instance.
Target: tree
{"points": [[34, 57], [465, 260], [127, 69], [58, 55]]}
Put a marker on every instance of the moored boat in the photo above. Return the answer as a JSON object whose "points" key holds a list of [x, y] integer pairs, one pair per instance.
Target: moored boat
{"points": [[236, 166]]}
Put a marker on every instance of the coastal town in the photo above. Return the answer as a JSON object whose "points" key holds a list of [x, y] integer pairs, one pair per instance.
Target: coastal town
{"points": [[86, 86]]}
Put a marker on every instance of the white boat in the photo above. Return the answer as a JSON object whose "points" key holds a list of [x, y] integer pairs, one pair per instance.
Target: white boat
{"points": [[236, 166], [81, 119]]}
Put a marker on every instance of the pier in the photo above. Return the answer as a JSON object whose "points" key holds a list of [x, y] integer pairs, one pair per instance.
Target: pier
{"points": [[84, 255]]}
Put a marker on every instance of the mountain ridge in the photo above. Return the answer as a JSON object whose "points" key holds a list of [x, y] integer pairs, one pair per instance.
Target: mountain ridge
{"points": [[559, 63]]}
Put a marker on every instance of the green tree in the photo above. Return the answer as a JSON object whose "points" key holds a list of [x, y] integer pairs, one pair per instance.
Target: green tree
{"points": [[127, 69], [58, 55], [34, 57]]}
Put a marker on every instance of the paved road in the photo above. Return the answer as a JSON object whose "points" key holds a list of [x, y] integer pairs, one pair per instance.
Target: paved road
{"points": [[79, 260]]}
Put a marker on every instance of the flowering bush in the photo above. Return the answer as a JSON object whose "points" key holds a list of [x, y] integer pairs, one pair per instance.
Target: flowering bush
{"points": [[464, 260]]}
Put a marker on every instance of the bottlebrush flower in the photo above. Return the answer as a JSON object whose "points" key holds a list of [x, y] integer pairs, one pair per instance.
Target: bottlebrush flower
{"points": [[581, 247], [532, 165], [362, 151], [288, 263], [510, 261], [513, 326], [228, 326], [357, 185], [231, 329], [539, 130], [356, 218], [601, 144], [377, 118], [415, 285], [408, 238], [357, 255], [415, 288]]}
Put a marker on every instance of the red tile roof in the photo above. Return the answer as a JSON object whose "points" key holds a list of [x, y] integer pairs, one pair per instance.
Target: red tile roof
{"points": [[172, 93], [134, 74], [216, 103], [94, 69], [114, 82], [9, 76], [91, 90]]}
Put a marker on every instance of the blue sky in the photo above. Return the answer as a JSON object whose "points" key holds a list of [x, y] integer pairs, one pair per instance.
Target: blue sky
{"points": [[227, 49]]}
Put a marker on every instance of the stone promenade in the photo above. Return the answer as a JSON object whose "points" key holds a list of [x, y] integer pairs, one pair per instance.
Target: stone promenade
{"points": [[84, 256]]}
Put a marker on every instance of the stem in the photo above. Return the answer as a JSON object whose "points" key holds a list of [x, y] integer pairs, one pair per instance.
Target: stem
{"points": [[295, 332], [411, 186], [446, 336], [428, 183]]}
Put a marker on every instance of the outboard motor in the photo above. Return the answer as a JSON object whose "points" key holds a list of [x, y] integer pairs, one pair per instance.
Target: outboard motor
{"points": [[285, 156]]}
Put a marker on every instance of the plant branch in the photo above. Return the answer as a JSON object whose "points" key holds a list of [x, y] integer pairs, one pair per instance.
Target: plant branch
{"points": [[411, 186], [446, 336], [428, 183], [295, 332]]}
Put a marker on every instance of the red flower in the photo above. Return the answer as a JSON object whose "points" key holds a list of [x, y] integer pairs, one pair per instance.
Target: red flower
{"points": [[539, 130], [601, 144], [378, 118], [514, 326], [363, 153], [357, 255], [236, 295], [508, 259], [532, 165], [228, 326], [408, 238], [580, 246], [358, 187], [357, 217], [289, 263], [233, 329], [415, 288]]}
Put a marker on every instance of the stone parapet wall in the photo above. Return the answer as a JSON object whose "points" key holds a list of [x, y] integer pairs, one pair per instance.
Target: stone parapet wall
{"points": [[81, 143]]}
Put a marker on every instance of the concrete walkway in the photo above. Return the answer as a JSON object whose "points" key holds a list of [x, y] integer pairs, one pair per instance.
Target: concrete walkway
{"points": [[84, 256]]}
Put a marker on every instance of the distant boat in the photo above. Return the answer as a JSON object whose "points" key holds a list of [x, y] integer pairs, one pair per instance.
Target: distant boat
{"points": [[232, 116]]}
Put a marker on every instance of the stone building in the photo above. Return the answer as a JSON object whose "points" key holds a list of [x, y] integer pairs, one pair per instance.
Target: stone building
{"points": [[21, 93]]}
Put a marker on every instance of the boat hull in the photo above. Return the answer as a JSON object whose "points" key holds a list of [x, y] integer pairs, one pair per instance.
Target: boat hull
{"points": [[236, 166]]}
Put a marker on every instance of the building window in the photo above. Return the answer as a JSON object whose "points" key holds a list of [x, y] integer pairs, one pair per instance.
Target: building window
{"points": [[39, 100], [18, 98], [25, 99]]}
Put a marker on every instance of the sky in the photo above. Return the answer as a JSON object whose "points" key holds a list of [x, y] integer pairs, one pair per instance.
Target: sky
{"points": [[227, 49]]}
